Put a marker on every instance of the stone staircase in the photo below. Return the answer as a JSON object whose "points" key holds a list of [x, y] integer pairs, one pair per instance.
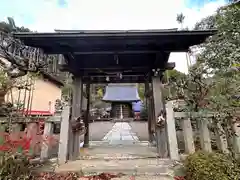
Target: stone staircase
{"points": [[133, 160]]}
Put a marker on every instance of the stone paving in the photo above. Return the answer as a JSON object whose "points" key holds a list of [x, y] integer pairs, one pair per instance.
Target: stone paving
{"points": [[121, 133]]}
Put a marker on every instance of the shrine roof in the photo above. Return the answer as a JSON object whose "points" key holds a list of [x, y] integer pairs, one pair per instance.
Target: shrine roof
{"points": [[94, 55], [121, 93], [90, 41]]}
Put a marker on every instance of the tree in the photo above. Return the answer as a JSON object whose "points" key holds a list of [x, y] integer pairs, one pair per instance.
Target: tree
{"points": [[11, 27], [28, 59], [180, 19], [169, 79], [214, 81], [206, 23]]}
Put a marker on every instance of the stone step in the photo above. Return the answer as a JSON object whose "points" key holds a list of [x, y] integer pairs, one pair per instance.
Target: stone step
{"points": [[139, 167]]}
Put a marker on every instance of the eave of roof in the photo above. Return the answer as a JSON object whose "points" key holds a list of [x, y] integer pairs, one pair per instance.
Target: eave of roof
{"points": [[89, 33], [99, 42]]}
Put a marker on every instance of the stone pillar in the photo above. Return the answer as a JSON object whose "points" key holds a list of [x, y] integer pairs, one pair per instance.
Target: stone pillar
{"points": [[15, 131], [32, 132], [236, 138], [188, 136], [204, 134], [171, 132], [76, 112], [48, 131], [158, 108], [221, 139], [64, 136]]}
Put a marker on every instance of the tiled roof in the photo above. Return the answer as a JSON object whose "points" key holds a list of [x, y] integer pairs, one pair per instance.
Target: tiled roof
{"points": [[121, 93]]}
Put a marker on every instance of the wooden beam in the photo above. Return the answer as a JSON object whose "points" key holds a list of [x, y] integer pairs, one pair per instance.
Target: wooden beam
{"points": [[125, 79]]}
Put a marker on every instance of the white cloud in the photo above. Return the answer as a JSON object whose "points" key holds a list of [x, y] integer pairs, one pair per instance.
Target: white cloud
{"points": [[117, 14]]}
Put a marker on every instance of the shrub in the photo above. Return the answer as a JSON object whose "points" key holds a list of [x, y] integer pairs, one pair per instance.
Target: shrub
{"points": [[211, 166], [15, 166], [16, 150], [144, 113]]}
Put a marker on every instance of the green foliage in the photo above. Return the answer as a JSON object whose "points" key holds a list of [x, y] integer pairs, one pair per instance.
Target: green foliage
{"points": [[141, 91], [100, 92], [214, 81], [5, 82], [206, 23], [211, 166], [13, 166], [144, 113], [169, 79], [172, 78], [11, 27]]}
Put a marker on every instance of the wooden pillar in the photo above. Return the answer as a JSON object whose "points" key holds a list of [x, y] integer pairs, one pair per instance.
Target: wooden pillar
{"points": [[153, 120], [149, 113], [86, 118], [158, 108], [48, 131], [76, 112]]}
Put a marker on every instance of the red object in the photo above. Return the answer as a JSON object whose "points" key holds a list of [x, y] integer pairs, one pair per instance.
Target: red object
{"points": [[137, 115], [36, 112], [179, 178]]}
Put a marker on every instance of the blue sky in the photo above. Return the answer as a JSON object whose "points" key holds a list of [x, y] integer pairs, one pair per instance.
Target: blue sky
{"points": [[47, 15]]}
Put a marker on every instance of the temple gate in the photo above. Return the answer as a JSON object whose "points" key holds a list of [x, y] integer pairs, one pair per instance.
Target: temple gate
{"points": [[117, 57]]}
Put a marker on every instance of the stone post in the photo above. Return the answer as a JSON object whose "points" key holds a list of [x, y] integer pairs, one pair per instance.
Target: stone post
{"points": [[221, 139], [32, 132], [15, 131], [64, 136], [45, 149], [188, 135], [204, 134], [236, 138], [171, 132]]}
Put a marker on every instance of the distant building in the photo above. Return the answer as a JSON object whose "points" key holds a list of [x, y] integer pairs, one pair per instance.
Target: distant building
{"points": [[121, 97], [40, 96]]}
